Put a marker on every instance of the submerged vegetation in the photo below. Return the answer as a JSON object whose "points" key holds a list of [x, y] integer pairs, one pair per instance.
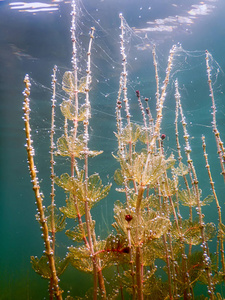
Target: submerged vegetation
{"points": [[149, 228]]}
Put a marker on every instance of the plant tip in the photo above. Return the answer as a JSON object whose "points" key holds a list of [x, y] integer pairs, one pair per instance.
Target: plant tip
{"points": [[128, 218], [163, 136], [138, 93]]}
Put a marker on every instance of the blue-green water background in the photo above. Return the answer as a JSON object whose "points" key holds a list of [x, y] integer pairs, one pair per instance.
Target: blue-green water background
{"points": [[33, 44]]}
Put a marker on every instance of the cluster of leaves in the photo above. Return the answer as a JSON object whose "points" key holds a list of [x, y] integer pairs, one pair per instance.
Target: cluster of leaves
{"points": [[82, 192], [147, 227], [153, 222]]}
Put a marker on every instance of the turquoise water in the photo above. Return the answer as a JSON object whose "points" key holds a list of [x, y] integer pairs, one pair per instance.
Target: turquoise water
{"points": [[33, 42]]}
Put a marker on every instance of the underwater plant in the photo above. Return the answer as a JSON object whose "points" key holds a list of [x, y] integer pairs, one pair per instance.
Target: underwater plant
{"points": [[149, 227]]}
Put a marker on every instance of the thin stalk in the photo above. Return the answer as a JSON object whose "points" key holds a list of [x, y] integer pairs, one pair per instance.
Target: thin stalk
{"points": [[217, 203], [146, 129], [119, 122], [75, 83], [177, 97], [172, 259], [52, 162], [160, 108], [207, 261], [124, 88], [81, 225], [36, 187], [219, 143], [150, 118], [74, 97], [156, 77], [121, 286], [168, 266], [87, 209], [169, 249], [124, 72], [139, 273], [96, 262], [131, 261], [162, 99]]}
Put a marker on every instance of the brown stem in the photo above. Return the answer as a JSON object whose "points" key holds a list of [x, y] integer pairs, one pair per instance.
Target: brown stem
{"points": [[219, 143], [217, 203], [131, 261], [139, 275], [207, 261], [42, 219], [52, 162]]}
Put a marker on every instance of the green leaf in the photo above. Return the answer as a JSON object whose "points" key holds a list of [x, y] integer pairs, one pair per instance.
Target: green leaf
{"points": [[73, 207], [79, 232], [188, 198], [210, 231], [189, 231], [222, 229], [196, 265], [41, 266], [145, 136], [192, 232], [155, 228], [82, 84], [78, 194], [68, 146], [80, 258], [59, 219], [63, 181], [207, 200], [153, 250], [118, 177], [68, 109], [70, 112], [90, 153], [68, 82], [96, 190], [145, 168], [129, 134], [115, 250], [181, 170]]}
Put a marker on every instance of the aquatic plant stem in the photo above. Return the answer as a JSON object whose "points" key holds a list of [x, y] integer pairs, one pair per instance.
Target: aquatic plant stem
{"points": [[124, 72], [123, 83], [168, 266], [207, 261], [139, 277], [74, 97], [42, 219], [162, 99], [131, 261], [52, 162], [156, 77], [160, 108], [75, 83], [91, 236], [146, 129], [219, 143], [139, 274], [217, 203], [86, 150]]}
